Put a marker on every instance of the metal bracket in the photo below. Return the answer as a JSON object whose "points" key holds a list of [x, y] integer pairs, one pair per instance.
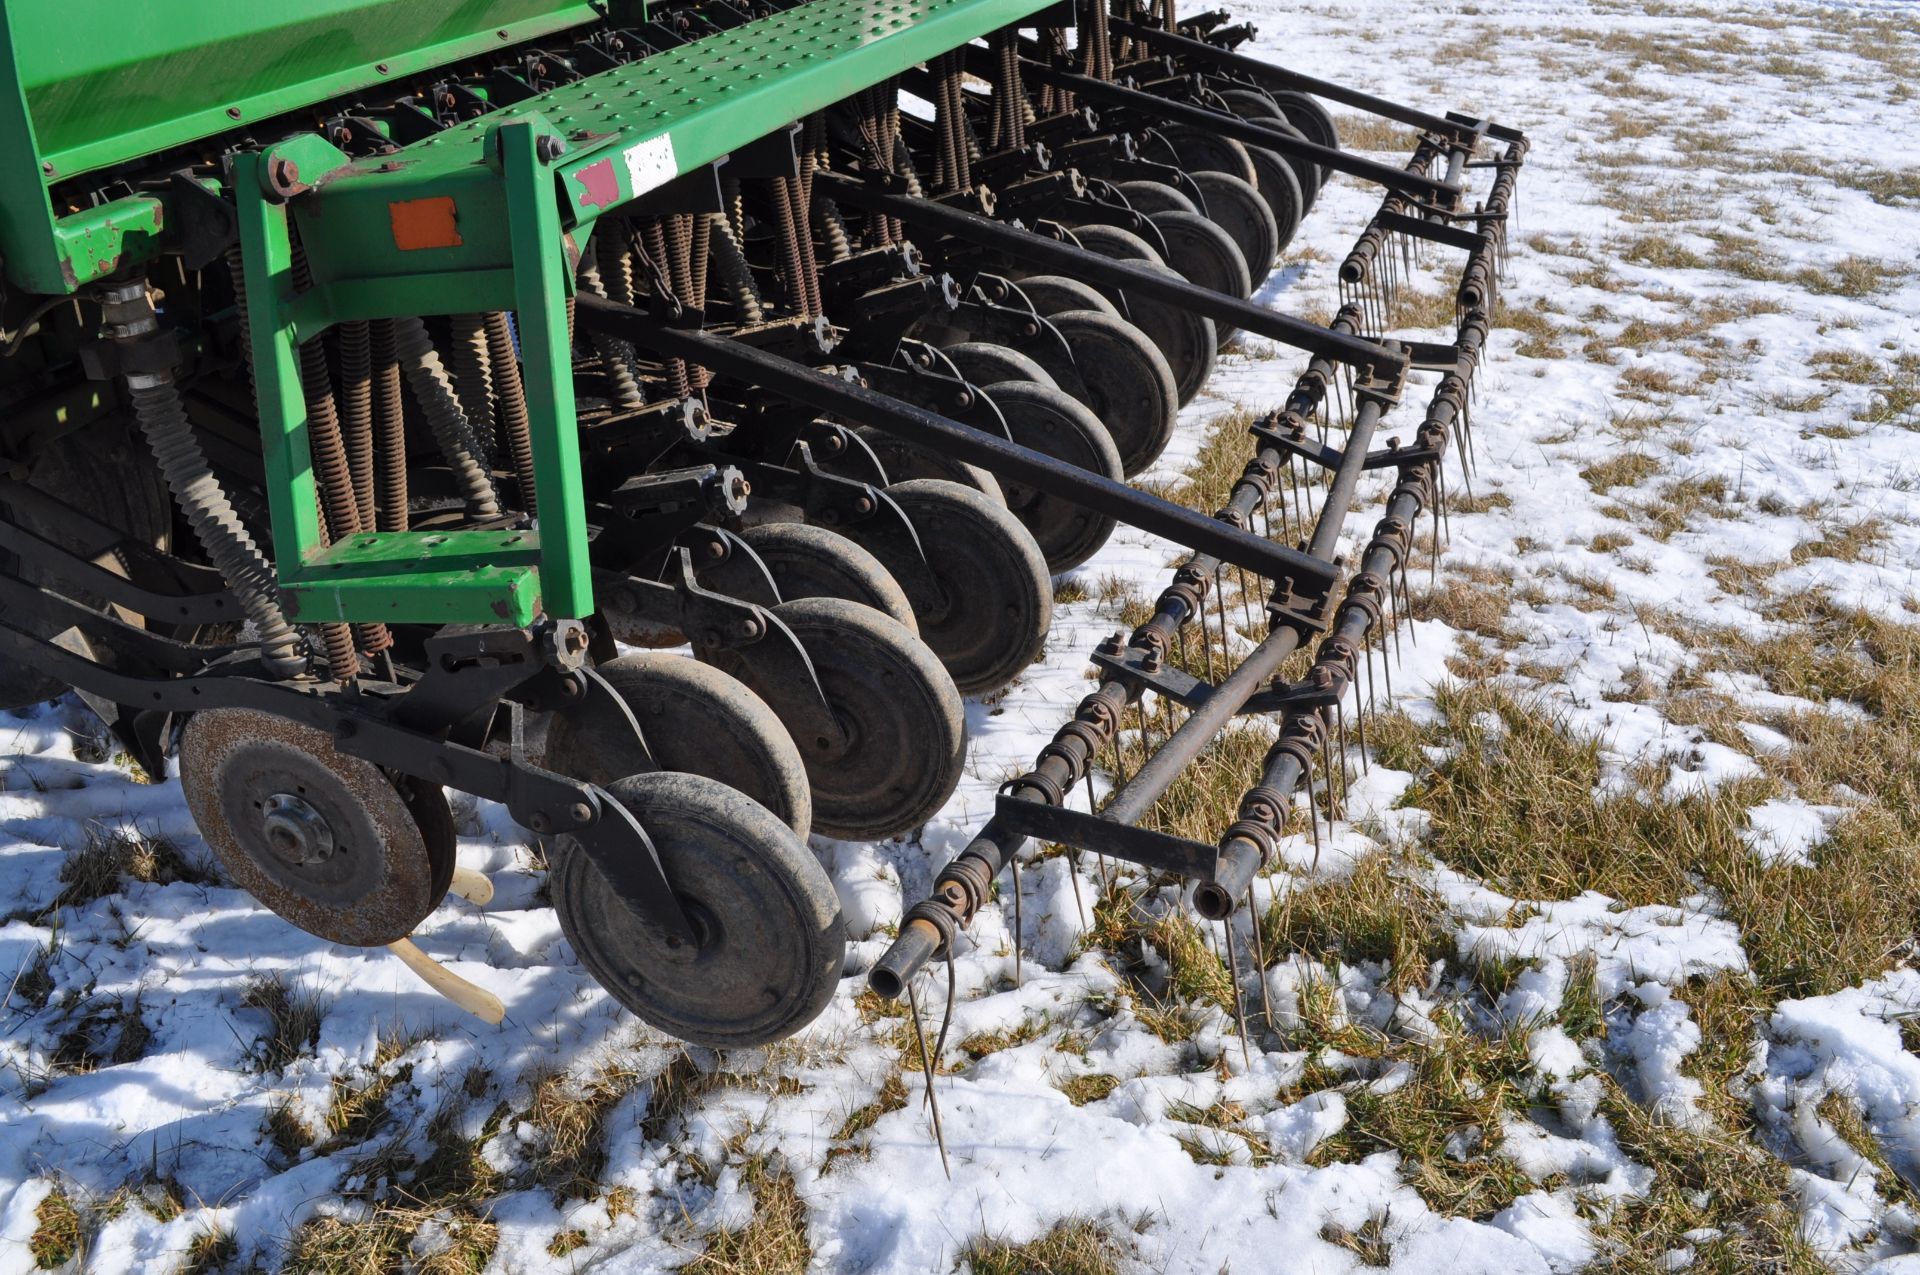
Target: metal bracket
{"points": [[1155, 851]]}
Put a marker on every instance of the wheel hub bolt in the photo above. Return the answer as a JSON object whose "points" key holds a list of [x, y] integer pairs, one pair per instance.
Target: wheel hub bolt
{"points": [[297, 833]]}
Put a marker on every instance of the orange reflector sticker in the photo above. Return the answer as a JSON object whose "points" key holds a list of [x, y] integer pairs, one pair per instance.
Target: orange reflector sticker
{"points": [[424, 223]]}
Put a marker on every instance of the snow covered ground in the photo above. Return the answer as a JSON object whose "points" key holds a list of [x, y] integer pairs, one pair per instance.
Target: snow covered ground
{"points": [[1692, 538]]}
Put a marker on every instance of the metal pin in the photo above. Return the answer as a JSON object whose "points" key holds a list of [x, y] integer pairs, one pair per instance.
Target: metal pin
{"points": [[1406, 590], [1360, 730], [1073, 875], [1373, 701], [1100, 856], [1340, 718], [926, 1066]]}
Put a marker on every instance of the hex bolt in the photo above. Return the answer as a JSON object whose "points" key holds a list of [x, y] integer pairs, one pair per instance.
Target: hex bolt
{"points": [[549, 148]]}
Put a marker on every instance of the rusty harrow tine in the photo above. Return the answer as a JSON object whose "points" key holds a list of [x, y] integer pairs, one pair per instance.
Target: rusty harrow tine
{"points": [[926, 1068], [1239, 1001], [1019, 922], [1251, 841], [1260, 958]]}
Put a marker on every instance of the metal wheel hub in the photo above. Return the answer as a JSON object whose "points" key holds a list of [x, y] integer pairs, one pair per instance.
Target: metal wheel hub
{"points": [[295, 831], [324, 839]]}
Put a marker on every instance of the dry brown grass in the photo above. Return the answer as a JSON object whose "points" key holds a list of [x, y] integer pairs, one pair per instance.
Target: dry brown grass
{"points": [[774, 1241], [112, 854], [294, 1015], [1372, 133], [1518, 804], [1081, 1090], [1627, 469], [1073, 1247], [57, 1235]]}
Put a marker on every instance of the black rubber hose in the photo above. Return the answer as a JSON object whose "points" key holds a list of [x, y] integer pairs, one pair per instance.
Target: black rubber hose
{"points": [[163, 420]]}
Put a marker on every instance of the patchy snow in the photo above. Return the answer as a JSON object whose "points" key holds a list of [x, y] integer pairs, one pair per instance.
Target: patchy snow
{"points": [[1780, 457]]}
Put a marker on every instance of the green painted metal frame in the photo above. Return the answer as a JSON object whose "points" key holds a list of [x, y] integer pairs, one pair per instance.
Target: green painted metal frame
{"points": [[519, 220], [444, 577]]}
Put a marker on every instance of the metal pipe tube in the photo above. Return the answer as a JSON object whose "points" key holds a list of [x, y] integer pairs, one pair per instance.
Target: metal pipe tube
{"points": [[1281, 78], [1250, 132], [1168, 288], [803, 384]]}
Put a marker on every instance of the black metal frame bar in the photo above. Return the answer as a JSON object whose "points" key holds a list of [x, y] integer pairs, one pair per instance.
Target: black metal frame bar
{"points": [[1301, 575], [1071, 259]]}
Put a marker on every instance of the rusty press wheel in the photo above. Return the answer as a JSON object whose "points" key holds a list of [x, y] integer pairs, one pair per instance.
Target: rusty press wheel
{"points": [[1186, 340], [771, 939], [904, 460], [323, 839]]}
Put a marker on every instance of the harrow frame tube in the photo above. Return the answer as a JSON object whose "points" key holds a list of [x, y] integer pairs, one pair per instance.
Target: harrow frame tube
{"points": [[929, 926], [1159, 771], [1241, 855], [1287, 568], [920, 939], [1174, 111], [1280, 77], [1019, 242]]}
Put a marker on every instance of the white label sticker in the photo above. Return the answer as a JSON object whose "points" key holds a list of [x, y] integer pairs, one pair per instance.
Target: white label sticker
{"points": [[650, 163]]}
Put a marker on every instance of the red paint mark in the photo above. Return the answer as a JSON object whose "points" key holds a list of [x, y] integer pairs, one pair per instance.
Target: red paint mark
{"points": [[424, 223], [598, 186]]}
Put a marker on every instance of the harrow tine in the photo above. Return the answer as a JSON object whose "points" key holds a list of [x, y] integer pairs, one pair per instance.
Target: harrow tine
{"points": [[1019, 922], [926, 1068], [1260, 959], [1406, 591], [1239, 1003]]}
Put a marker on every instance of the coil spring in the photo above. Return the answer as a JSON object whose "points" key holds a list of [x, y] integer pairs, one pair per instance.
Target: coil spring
{"points": [[451, 430], [511, 396], [390, 427]]}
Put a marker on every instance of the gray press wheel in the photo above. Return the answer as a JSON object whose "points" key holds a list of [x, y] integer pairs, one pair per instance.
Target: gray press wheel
{"points": [[1125, 380], [1052, 293], [1186, 340], [772, 938], [984, 363], [904, 728], [904, 461], [1238, 209], [1252, 104], [1201, 151], [813, 562], [991, 601], [1311, 120], [695, 719], [1206, 255], [1280, 192], [1148, 197], [1056, 424], [1310, 175]]}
